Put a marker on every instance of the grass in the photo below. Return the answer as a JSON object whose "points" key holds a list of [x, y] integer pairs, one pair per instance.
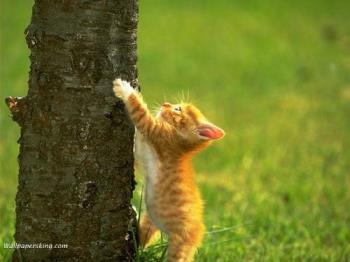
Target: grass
{"points": [[275, 76]]}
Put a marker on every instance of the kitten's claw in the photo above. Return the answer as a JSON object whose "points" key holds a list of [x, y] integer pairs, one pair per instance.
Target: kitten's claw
{"points": [[122, 89]]}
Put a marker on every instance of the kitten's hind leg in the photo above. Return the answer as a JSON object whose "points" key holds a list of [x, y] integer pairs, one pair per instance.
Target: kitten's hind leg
{"points": [[147, 231], [184, 243], [179, 250]]}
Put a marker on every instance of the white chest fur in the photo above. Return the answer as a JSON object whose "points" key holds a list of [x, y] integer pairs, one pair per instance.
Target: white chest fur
{"points": [[149, 163], [147, 159]]}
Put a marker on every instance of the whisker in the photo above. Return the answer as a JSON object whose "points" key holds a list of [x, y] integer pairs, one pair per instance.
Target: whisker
{"points": [[182, 97], [155, 107], [188, 99]]}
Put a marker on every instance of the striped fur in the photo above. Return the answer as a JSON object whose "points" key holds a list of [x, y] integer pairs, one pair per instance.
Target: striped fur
{"points": [[165, 146]]}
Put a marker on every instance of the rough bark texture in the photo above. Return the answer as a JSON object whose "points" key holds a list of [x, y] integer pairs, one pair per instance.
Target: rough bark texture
{"points": [[76, 145]]}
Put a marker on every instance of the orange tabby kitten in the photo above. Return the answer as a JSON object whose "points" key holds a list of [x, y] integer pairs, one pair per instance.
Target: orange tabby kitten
{"points": [[165, 145]]}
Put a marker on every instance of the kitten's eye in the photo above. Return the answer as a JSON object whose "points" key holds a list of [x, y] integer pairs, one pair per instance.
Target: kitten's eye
{"points": [[177, 108]]}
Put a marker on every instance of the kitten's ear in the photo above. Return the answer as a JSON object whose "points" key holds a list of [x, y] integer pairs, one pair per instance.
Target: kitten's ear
{"points": [[209, 131]]}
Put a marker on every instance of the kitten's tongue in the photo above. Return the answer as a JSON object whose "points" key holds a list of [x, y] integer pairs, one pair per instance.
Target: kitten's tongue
{"points": [[210, 133]]}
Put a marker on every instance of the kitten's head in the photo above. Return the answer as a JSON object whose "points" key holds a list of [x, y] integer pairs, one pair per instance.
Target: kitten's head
{"points": [[190, 123]]}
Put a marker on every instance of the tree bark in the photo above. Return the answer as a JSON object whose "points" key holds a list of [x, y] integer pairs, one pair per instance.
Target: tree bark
{"points": [[76, 146]]}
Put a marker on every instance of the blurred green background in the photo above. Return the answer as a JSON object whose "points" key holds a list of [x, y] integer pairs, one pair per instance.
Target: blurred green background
{"points": [[275, 76]]}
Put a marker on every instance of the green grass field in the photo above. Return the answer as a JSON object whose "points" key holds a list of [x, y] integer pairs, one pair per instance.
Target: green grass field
{"points": [[275, 75]]}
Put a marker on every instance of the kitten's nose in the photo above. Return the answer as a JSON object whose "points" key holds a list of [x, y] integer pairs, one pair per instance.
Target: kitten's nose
{"points": [[166, 105]]}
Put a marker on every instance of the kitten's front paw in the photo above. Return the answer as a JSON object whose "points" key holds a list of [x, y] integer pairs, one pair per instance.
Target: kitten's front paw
{"points": [[117, 87], [122, 89]]}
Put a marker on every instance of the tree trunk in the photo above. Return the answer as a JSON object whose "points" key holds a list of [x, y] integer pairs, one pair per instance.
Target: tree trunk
{"points": [[76, 146]]}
